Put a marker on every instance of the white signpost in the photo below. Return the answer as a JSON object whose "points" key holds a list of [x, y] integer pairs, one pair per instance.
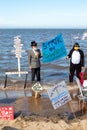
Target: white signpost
{"points": [[59, 95], [18, 50]]}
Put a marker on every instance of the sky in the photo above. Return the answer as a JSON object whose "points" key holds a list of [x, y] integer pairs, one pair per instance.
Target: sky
{"points": [[43, 13]]}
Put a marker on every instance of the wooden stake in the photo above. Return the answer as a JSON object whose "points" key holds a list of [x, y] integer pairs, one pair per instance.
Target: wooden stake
{"points": [[72, 109]]}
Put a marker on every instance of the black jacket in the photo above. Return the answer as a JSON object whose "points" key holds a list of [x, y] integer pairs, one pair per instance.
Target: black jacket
{"points": [[81, 56]]}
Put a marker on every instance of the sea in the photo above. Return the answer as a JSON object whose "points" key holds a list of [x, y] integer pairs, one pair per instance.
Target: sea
{"points": [[52, 72]]}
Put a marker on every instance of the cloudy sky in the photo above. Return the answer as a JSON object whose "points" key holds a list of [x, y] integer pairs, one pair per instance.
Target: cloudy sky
{"points": [[43, 13]]}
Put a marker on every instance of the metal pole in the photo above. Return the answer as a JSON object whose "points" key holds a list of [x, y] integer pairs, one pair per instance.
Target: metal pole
{"points": [[25, 81], [5, 81], [19, 66]]}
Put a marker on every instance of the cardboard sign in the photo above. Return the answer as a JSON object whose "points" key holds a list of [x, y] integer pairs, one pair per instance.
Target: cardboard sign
{"points": [[7, 112], [37, 87], [59, 95]]}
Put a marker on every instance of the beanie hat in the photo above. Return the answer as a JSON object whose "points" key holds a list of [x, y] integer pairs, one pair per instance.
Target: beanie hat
{"points": [[76, 44]]}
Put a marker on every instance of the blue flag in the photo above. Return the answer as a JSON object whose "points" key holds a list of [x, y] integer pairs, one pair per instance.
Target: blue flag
{"points": [[53, 49]]}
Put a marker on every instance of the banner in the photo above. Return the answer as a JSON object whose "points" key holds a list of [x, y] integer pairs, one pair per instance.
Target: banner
{"points": [[53, 49], [59, 95]]}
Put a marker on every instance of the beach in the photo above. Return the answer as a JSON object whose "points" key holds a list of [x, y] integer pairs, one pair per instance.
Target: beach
{"points": [[38, 113], [23, 124], [45, 94]]}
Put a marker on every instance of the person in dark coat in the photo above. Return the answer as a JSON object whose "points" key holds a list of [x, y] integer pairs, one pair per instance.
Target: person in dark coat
{"points": [[76, 56], [34, 61]]}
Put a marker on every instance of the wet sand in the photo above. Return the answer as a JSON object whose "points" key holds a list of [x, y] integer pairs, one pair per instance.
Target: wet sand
{"points": [[38, 111], [20, 97]]}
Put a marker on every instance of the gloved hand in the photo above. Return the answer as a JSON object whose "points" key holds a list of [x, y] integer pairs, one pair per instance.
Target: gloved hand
{"points": [[67, 57]]}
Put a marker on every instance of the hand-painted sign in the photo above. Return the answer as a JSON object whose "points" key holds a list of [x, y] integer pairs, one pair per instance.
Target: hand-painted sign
{"points": [[59, 95], [53, 49], [37, 87], [7, 112]]}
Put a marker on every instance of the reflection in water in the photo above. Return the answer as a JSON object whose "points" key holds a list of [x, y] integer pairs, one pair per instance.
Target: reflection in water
{"points": [[35, 105], [24, 101], [6, 94], [14, 93]]}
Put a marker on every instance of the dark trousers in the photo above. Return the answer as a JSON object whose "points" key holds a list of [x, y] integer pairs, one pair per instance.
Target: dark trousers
{"points": [[35, 72], [73, 68]]}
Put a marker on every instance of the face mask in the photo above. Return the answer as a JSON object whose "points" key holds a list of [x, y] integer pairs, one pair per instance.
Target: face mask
{"points": [[76, 48]]}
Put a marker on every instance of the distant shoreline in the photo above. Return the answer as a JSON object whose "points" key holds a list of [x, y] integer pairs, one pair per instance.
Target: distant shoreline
{"points": [[43, 28]]}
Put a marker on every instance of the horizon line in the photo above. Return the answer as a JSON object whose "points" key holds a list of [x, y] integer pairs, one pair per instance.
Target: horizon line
{"points": [[41, 28]]}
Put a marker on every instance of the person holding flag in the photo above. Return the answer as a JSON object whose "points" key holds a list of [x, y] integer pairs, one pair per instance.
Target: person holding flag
{"points": [[76, 56]]}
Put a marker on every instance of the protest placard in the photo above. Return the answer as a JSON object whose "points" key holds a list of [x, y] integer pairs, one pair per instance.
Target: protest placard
{"points": [[7, 112], [37, 87], [59, 95]]}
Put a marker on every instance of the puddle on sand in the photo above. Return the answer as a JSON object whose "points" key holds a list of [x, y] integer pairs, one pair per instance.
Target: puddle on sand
{"points": [[14, 94], [43, 107], [26, 103]]}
